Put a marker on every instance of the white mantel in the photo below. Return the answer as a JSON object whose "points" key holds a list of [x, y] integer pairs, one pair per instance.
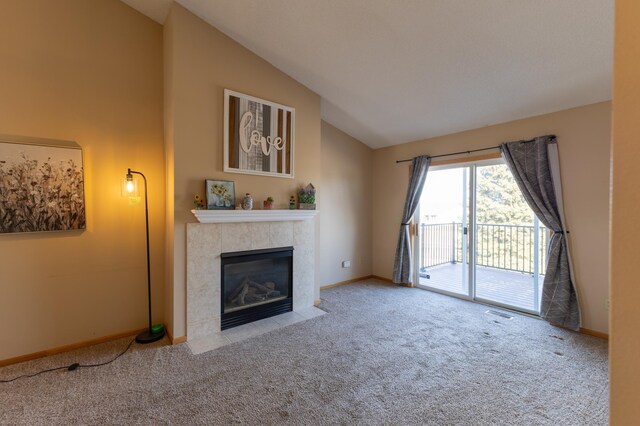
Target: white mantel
{"points": [[238, 216]]}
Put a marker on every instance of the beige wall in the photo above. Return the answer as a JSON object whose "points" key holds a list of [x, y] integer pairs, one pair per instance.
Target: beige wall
{"points": [[90, 72], [201, 63], [583, 140], [625, 214], [346, 207]]}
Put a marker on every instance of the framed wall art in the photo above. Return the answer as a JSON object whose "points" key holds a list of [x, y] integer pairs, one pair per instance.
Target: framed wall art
{"points": [[41, 185], [258, 136], [221, 194]]}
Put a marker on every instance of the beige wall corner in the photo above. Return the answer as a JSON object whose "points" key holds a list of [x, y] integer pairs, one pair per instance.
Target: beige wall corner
{"points": [[68, 74], [346, 207], [169, 152], [200, 62], [584, 142], [624, 340]]}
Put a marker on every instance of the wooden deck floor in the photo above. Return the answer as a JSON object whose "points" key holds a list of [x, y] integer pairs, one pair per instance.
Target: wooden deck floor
{"points": [[507, 287]]}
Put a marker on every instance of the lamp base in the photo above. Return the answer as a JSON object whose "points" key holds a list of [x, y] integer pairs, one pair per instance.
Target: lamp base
{"points": [[149, 337]]}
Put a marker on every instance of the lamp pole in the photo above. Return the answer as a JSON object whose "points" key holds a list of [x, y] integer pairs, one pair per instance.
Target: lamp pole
{"points": [[149, 335]]}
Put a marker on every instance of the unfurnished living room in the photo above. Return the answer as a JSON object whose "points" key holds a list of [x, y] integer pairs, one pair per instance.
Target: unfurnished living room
{"points": [[319, 212]]}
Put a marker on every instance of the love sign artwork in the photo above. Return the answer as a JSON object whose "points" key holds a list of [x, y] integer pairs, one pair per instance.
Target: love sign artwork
{"points": [[258, 136]]}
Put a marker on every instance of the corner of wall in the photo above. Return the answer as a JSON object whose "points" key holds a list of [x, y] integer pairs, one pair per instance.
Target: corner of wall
{"points": [[346, 218], [168, 53]]}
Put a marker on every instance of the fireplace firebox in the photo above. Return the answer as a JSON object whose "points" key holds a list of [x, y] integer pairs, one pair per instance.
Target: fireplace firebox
{"points": [[256, 284]]}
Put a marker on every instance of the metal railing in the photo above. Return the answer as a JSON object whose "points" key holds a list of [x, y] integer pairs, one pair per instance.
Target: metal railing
{"points": [[508, 247], [440, 243]]}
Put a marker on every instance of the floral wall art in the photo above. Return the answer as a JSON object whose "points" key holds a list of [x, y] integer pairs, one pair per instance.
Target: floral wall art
{"points": [[220, 194], [41, 187], [258, 136]]}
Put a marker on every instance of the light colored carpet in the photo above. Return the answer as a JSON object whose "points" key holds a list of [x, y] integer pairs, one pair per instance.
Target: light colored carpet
{"points": [[383, 355]]}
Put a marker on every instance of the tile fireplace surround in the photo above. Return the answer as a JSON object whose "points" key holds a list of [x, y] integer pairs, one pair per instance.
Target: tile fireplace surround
{"points": [[208, 239]]}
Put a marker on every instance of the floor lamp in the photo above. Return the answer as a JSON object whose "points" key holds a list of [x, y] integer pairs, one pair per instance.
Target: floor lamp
{"points": [[155, 332]]}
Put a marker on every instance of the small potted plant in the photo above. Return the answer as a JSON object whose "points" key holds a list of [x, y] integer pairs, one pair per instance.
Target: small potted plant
{"points": [[268, 203], [307, 198]]}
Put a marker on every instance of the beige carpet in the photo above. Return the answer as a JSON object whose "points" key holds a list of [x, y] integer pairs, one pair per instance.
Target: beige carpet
{"points": [[383, 355]]}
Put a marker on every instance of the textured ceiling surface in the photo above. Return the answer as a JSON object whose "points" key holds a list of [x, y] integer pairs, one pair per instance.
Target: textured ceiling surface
{"points": [[390, 72]]}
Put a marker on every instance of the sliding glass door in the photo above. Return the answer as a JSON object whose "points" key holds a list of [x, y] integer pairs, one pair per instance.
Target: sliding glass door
{"points": [[510, 243], [478, 239], [443, 249]]}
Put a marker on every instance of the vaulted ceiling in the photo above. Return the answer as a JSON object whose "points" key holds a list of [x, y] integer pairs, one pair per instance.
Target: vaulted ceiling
{"points": [[390, 72]]}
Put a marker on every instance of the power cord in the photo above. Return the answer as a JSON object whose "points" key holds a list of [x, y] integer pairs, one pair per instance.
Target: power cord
{"points": [[71, 367]]}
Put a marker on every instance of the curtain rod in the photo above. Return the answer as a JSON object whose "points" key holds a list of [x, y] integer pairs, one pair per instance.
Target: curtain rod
{"points": [[472, 150]]}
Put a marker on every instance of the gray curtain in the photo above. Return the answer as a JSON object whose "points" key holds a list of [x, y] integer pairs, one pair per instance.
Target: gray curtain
{"points": [[535, 167], [403, 262]]}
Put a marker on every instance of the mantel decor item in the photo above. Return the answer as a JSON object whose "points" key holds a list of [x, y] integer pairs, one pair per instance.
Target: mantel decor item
{"points": [[198, 202], [258, 136], [307, 198], [41, 185], [268, 203], [247, 202], [130, 188], [292, 203], [221, 194]]}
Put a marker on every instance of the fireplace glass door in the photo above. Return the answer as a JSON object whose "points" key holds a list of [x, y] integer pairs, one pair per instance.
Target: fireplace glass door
{"points": [[256, 284]]}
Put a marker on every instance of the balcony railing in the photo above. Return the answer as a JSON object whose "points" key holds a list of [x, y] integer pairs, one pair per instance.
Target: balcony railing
{"points": [[509, 247]]}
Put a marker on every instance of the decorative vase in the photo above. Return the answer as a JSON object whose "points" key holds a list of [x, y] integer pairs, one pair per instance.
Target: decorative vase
{"points": [[267, 205], [247, 202]]}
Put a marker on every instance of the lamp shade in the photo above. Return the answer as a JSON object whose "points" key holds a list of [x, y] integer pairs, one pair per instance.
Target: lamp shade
{"points": [[130, 189]]}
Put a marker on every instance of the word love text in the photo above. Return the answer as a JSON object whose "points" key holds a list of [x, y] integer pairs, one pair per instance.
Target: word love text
{"points": [[255, 138]]}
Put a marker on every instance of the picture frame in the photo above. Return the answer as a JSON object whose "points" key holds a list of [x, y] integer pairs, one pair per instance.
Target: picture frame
{"points": [[221, 194], [41, 185], [258, 136]]}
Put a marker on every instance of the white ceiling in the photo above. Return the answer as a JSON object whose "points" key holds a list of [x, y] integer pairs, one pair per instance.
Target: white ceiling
{"points": [[390, 72]]}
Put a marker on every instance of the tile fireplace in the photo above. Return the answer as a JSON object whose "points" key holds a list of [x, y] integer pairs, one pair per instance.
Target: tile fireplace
{"points": [[216, 239]]}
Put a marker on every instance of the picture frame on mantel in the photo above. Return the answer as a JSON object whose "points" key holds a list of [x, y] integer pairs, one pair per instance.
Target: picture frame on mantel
{"points": [[221, 194], [258, 136]]}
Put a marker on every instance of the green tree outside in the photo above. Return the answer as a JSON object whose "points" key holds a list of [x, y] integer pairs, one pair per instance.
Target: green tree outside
{"points": [[499, 199]]}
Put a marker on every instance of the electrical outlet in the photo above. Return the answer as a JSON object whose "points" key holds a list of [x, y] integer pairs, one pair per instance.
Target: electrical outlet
{"points": [[606, 303], [346, 264]]}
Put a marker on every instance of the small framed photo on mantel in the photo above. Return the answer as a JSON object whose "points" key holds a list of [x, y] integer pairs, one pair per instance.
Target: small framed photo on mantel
{"points": [[258, 136], [221, 194]]}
